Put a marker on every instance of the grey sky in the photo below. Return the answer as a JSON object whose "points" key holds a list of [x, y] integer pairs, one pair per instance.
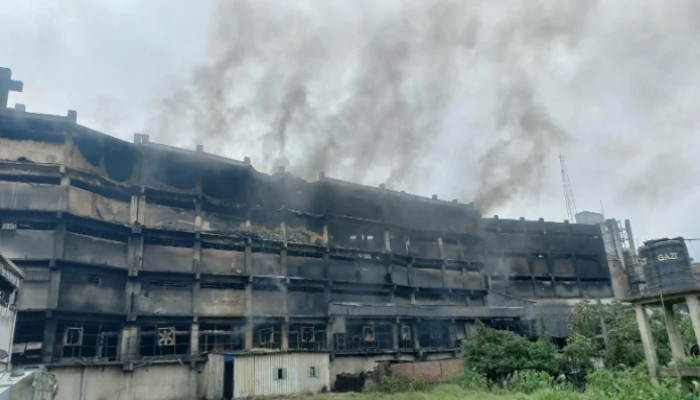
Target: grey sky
{"points": [[611, 85]]}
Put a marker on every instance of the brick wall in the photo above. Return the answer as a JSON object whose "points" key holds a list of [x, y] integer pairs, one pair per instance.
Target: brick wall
{"points": [[431, 371]]}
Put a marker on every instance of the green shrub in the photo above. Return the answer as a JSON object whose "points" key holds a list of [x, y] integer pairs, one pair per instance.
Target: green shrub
{"points": [[499, 354], [633, 384], [528, 381], [396, 384], [468, 379], [420, 385]]}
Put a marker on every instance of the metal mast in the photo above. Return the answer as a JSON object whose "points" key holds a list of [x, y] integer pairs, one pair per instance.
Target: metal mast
{"points": [[568, 192]]}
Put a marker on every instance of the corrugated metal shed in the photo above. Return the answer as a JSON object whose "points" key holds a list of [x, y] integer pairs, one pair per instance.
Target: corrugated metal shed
{"points": [[257, 375]]}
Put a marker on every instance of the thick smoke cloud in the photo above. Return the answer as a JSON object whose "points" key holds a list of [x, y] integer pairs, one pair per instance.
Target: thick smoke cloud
{"points": [[363, 95]]}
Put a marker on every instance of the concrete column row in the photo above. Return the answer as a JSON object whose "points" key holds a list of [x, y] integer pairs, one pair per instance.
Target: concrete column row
{"points": [[673, 330]]}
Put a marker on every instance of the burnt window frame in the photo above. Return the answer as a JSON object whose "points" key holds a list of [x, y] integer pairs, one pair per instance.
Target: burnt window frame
{"points": [[306, 336], [97, 340], [148, 340], [215, 337]]}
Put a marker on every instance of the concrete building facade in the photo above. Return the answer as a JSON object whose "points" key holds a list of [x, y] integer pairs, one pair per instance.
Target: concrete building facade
{"points": [[141, 256]]}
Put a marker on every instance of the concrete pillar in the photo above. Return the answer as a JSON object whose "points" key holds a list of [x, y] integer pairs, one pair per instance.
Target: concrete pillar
{"points": [[395, 336], [283, 291], [416, 336], [694, 308], [285, 336], [674, 334], [283, 259], [194, 338], [248, 335], [647, 339], [129, 343], [330, 331], [248, 298], [49, 340], [248, 255], [469, 330]]}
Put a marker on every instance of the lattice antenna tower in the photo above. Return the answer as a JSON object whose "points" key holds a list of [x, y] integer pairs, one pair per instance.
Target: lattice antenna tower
{"points": [[568, 192]]}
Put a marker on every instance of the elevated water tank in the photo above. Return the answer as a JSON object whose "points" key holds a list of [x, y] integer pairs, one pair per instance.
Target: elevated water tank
{"points": [[666, 265]]}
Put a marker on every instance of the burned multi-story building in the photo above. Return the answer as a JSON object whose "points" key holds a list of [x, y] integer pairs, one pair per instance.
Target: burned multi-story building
{"points": [[145, 254]]}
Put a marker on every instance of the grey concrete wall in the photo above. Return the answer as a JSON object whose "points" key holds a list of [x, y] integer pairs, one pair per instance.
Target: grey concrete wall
{"points": [[153, 382], [165, 217], [425, 249], [167, 258], [221, 223], [453, 279], [517, 265], [82, 202], [539, 267], [544, 289], [267, 302], [32, 151], [78, 161], [356, 271], [595, 290], [522, 289], [266, 264], [451, 250], [472, 280], [159, 301], [369, 298], [499, 286], [221, 302], [27, 244], [427, 277], [305, 267], [106, 297], [566, 289], [399, 275], [299, 303], [402, 298], [34, 296], [25, 196], [224, 262], [564, 267], [94, 250], [591, 269]]}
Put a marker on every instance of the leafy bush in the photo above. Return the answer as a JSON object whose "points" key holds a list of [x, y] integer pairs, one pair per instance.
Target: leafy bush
{"points": [[396, 384], [633, 384], [577, 358], [468, 379], [528, 381], [499, 354], [624, 347], [420, 385]]}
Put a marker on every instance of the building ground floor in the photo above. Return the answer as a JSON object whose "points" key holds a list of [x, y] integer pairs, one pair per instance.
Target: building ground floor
{"points": [[237, 375]]}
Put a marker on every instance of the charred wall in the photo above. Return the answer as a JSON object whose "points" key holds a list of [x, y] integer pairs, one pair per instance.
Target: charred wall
{"points": [[164, 241]]}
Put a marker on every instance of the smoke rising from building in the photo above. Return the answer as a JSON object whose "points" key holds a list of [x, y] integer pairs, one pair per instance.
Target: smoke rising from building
{"points": [[361, 94]]}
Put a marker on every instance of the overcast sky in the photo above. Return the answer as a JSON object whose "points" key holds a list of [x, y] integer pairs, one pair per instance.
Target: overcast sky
{"points": [[467, 100]]}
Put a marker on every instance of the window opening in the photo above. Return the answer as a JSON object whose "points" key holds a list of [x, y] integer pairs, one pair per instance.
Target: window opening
{"points": [[87, 340], [161, 340]]}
